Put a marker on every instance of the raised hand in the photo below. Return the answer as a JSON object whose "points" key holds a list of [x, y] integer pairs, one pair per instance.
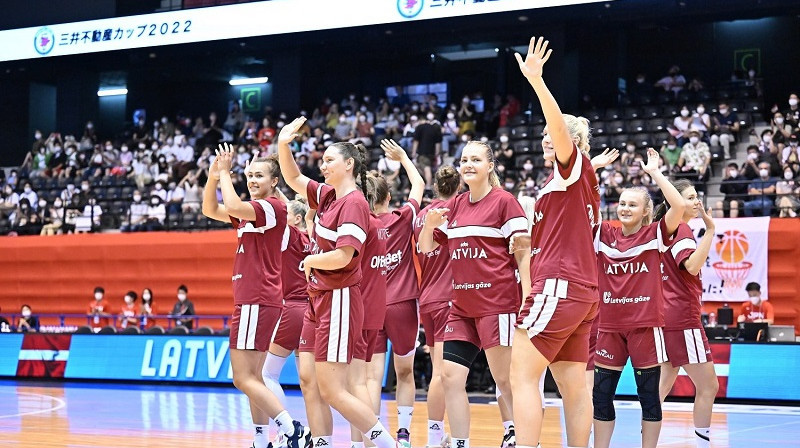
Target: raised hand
{"points": [[436, 217], [224, 158], [534, 61], [606, 158], [289, 132], [707, 220], [213, 170], [652, 162], [392, 150]]}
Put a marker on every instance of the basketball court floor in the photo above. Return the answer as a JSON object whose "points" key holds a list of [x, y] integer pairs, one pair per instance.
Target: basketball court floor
{"points": [[78, 415]]}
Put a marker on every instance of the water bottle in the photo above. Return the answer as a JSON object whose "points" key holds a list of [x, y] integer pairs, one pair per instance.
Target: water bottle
{"points": [[712, 320]]}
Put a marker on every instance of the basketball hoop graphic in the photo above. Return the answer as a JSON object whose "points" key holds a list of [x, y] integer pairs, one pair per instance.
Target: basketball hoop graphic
{"points": [[732, 249]]}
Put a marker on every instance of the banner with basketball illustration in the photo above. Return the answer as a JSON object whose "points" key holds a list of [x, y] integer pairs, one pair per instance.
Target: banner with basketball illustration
{"points": [[738, 256]]}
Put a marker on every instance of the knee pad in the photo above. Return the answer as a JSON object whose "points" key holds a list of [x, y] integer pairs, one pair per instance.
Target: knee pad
{"points": [[647, 388], [605, 387], [460, 352]]}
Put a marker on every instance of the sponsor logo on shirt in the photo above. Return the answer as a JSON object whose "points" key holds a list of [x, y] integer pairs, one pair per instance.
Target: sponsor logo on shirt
{"points": [[465, 252], [241, 249], [383, 234], [536, 250], [392, 260], [448, 329], [623, 300], [236, 277], [604, 354], [636, 267]]}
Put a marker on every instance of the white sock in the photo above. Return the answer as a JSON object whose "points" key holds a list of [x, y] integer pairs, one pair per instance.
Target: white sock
{"points": [[271, 374], [702, 437], [260, 436], [526, 446], [460, 443], [356, 445], [322, 441], [380, 436], [435, 432], [507, 425], [404, 416], [285, 423]]}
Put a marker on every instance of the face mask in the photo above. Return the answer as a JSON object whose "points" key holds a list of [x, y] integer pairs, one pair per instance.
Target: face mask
{"points": [[450, 116], [528, 166], [362, 119], [181, 297], [694, 140], [640, 80], [352, 97], [415, 108], [684, 113], [26, 313], [37, 136], [779, 120], [788, 175], [755, 300], [242, 150], [793, 102], [733, 173], [42, 204], [27, 189], [763, 173], [701, 110], [154, 202], [142, 146], [57, 204], [70, 151], [145, 296], [89, 126], [752, 156], [280, 124], [529, 183], [430, 117], [503, 138], [792, 142], [618, 179], [42, 150], [767, 138], [630, 148], [57, 149], [128, 300], [98, 295], [342, 119], [158, 187], [363, 108], [671, 146], [464, 138], [109, 147], [164, 120], [509, 185]]}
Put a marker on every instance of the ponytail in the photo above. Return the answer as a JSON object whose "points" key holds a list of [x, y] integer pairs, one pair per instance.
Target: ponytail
{"points": [[362, 172], [663, 208], [359, 155]]}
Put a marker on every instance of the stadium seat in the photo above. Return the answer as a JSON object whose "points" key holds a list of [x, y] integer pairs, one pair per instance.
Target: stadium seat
{"points": [[687, 97], [631, 113], [523, 146], [518, 120], [637, 126], [599, 128], [204, 331], [616, 127], [612, 114], [155, 330], [131, 330], [656, 125], [651, 111], [601, 142], [84, 330], [520, 132], [108, 329], [179, 330], [224, 332]]}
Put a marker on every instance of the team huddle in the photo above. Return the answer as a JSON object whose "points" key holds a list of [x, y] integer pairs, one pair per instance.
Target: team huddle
{"points": [[542, 284]]}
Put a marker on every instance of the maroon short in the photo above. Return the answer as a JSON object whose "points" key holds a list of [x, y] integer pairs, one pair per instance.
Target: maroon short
{"points": [[365, 347], [381, 342], [592, 342], [402, 326], [252, 326], [484, 332], [558, 318], [307, 338], [645, 347], [434, 322], [291, 324], [689, 346], [339, 315]]}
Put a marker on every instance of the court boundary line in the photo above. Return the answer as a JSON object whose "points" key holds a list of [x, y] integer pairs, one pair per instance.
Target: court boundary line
{"points": [[60, 404]]}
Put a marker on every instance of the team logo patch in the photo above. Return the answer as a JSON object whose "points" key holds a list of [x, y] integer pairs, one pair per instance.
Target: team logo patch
{"points": [[44, 41], [410, 8], [375, 434]]}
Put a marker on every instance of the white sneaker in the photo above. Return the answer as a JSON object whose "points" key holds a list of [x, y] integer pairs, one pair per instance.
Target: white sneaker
{"points": [[279, 441]]}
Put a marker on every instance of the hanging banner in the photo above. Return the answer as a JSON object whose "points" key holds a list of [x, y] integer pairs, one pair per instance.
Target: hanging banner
{"points": [[738, 256]]}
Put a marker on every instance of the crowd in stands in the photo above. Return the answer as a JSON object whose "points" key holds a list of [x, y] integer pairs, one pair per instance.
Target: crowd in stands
{"points": [[150, 177]]}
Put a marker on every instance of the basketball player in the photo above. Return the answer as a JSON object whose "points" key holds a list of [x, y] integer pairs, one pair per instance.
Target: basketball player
{"points": [[554, 322], [373, 292], [257, 289], [477, 227], [295, 301], [436, 292], [631, 314], [685, 339], [402, 287], [334, 272]]}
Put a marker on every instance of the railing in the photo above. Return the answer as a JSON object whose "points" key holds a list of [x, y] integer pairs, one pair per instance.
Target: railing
{"points": [[65, 322]]}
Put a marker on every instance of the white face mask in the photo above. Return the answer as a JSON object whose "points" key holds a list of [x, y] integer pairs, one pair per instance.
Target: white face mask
{"points": [[788, 175], [529, 183], [98, 295], [755, 300], [503, 138], [701, 110], [509, 185], [430, 117], [145, 296], [752, 156], [723, 111], [793, 102], [630, 148], [733, 173], [37, 136], [528, 166], [128, 300], [684, 113], [694, 140], [767, 138], [181, 297], [763, 173], [464, 138], [26, 313], [450, 116], [779, 120], [618, 179], [362, 118]]}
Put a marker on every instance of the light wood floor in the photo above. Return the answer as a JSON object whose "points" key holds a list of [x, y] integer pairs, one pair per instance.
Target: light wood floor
{"points": [[86, 415]]}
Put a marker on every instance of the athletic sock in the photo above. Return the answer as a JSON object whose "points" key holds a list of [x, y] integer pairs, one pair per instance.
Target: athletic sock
{"points": [[322, 441], [703, 437], [271, 374], [460, 443], [380, 436], [260, 436], [435, 432], [356, 445], [285, 423], [508, 424], [404, 416]]}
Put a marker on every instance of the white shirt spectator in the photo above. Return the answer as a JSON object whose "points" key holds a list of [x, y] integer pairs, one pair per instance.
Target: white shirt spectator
{"points": [[385, 165]]}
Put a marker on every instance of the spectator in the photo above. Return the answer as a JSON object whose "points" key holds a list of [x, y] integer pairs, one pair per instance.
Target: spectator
{"points": [[99, 310], [766, 145], [781, 131], [735, 189], [762, 192], [183, 310], [30, 195], [792, 114], [27, 321], [364, 131], [427, 147], [147, 309], [38, 162], [192, 194], [640, 88], [466, 116], [128, 317], [156, 214], [680, 125], [504, 154], [9, 200], [701, 121], [54, 218], [5, 326], [674, 82], [137, 214], [449, 132], [90, 218], [57, 162], [234, 120], [725, 127], [175, 197], [790, 152], [695, 159], [757, 309], [671, 152], [787, 190]]}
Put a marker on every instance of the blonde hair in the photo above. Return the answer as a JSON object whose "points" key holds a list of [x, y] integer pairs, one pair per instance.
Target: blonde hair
{"points": [[494, 179], [578, 127], [647, 219]]}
